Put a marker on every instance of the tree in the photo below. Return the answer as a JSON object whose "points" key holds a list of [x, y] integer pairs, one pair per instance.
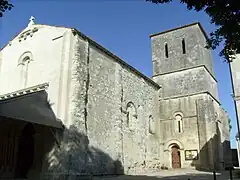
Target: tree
{"points": [[225, 14], [4, 6]]}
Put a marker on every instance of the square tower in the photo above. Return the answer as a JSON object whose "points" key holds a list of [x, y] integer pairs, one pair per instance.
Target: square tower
{"points": [[180, 48], [191, 118], [182, 64]]}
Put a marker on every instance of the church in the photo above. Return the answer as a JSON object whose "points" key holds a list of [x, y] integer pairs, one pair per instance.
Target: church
{"points": [[70, 107]]}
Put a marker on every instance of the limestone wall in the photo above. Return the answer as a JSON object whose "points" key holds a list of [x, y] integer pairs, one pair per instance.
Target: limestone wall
{"points": [[207, 136], [214, 140], [234, 65], [200, 131], [224, 137], [48, 49], [188, 139], [187, 82], [119, 106], [195, 52], [110, 108]]}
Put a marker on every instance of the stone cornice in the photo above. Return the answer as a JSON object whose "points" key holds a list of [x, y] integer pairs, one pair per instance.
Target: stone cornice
{"points": [[181, 27], [28, 33], [37, 88], [192, 94], [185, 69]]}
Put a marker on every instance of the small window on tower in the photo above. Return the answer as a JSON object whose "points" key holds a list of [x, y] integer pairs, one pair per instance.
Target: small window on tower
{"points": [[183, 47], [166, 50], [179, 122]]}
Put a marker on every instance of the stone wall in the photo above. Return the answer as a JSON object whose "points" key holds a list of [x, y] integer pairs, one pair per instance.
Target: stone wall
{"points": [[116, 119], [187, 82], [112, 89], [110, 107], [183, 67], [188, 139], [224, 133], [200, 131], [196, 53], [213, 134], [235, 75], [44, 65], [207, 133]]}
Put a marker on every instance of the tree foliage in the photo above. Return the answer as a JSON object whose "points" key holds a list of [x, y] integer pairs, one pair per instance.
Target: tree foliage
{"points": [[5, 6], [225, 14]]}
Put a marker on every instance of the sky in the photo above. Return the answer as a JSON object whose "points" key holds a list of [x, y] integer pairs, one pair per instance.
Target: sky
{"points": [[121, 26]]}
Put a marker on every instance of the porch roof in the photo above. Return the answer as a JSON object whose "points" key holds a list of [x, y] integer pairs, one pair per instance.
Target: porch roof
{"points": [[30, 105]]}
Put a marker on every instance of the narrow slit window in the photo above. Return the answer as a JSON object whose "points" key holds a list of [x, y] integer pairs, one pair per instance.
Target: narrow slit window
{"points": [[166, 50], [183, 47], [179, 126]]}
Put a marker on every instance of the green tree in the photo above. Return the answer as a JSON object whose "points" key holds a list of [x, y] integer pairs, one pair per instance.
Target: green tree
{"points": [[5, 6], [225, 14]]}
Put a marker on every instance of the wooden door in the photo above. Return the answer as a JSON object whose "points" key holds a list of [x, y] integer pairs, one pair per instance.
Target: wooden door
{"points": [[25, 152], [176, 159]]}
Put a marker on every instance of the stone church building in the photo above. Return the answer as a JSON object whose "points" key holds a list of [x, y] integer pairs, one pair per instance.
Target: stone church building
{"points": [[70, 107]]}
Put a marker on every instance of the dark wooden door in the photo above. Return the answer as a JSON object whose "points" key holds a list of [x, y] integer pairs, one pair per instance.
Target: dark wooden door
{"points": [[25, 152], [176, 159]]}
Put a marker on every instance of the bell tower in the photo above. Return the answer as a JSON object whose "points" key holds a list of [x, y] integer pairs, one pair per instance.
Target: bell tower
{"points": [[181, 63]]}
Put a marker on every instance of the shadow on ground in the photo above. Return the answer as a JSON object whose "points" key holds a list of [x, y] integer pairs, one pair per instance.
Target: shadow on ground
{"points": [[194, 176]]}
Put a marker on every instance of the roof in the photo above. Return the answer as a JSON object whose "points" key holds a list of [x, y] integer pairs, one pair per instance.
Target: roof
{"points": [[30, 105], [118, 59], [37, 88], [181, 27]]}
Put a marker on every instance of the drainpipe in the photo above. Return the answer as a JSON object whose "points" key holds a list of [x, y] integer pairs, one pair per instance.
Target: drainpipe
{"points": [[236, 112]]}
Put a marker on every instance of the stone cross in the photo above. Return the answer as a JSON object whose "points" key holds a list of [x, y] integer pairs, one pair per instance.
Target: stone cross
{"points": [[31, 21]]}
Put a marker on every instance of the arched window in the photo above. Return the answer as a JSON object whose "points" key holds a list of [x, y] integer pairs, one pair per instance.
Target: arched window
{"points": [[178, 119], [25, 58], [152, 125], [183, 47], [166, 50], [131, 114], [23, 64]]}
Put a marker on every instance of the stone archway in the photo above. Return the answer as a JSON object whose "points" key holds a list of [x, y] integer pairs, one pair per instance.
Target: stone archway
{"points": [[175, 156], [25, 155]]}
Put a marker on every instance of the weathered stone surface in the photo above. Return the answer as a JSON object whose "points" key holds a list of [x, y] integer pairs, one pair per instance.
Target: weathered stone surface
{"points": [[116, 119], [189, 90], [196, 53]]}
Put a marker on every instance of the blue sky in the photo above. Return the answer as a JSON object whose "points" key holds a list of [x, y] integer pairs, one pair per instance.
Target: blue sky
{"points": [[122, 26]]}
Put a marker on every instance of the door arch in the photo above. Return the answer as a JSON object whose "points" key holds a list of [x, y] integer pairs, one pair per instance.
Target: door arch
{"points": [[176, 156], [25, 155]]}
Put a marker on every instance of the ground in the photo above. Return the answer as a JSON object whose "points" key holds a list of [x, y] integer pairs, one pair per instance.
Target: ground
{"points": [[180, 174]]}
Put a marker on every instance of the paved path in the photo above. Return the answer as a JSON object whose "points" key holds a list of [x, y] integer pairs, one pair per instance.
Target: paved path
{"points": [[181, 174]]}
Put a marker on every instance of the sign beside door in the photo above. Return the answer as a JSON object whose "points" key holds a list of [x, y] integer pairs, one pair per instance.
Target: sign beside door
{"points": [[191, 154]]}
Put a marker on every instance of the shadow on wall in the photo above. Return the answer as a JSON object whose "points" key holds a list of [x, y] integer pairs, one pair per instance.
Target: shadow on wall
{"points": [[72, 153], [234, 157], [74, 156], [214, 155]]}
